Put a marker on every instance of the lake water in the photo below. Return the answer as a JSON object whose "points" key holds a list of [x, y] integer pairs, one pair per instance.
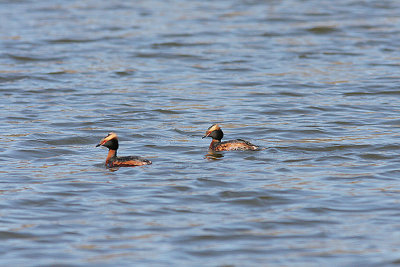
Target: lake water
{"points": [[315, 83]]}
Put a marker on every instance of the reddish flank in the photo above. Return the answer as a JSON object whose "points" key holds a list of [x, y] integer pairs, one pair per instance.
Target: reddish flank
{"points": [[215, 132], [111, 142]]}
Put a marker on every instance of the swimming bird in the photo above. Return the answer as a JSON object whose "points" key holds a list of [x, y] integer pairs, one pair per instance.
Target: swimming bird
{"points": [[215, 132], [111, 142]]}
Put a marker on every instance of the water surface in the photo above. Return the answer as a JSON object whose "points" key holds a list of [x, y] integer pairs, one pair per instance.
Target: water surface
{"points": [[315, 83]]}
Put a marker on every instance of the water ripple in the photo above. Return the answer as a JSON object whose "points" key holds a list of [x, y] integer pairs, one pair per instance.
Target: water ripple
{"points": [[312, 83]]}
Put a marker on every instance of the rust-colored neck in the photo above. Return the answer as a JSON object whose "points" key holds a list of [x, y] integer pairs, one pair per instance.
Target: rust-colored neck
{"points": [[111, 153], [214, 142]]}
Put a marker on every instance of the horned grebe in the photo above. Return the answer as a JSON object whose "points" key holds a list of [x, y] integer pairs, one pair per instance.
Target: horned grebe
{"points": [[111, 142], [216, 134]]}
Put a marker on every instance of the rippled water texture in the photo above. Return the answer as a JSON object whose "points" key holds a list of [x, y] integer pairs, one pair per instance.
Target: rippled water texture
{"points": [[315, 83]]}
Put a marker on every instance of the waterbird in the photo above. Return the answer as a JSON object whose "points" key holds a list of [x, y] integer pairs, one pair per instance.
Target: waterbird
{"points": [[215, 132], [111, 142]]}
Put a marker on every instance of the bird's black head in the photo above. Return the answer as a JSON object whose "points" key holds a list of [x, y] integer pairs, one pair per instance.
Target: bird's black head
{"points": [[215, 132], [110, 141]]}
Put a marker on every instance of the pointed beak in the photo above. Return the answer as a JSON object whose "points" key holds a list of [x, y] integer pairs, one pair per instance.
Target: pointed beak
{"points": [[100, 143], [207, 134]]}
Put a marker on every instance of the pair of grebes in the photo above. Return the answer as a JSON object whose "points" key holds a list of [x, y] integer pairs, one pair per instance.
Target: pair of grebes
{"points": [[214, 131]]}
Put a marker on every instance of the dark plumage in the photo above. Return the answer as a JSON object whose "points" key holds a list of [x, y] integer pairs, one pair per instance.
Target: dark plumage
{"points": [[216, 134], [111, 142]]}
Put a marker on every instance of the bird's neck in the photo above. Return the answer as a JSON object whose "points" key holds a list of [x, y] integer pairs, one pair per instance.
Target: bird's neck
{"points": [[214, 143], [111, 154]]}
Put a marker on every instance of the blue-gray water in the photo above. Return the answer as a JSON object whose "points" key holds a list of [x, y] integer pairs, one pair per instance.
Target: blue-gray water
{"points": [[316, 83]]}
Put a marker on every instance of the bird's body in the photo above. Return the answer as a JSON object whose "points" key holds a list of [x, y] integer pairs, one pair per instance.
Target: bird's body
{"points": [[111, 142], [216, 134]]}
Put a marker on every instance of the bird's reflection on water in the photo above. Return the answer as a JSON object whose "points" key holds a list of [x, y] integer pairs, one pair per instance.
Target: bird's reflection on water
{"points": [[212, 155]]}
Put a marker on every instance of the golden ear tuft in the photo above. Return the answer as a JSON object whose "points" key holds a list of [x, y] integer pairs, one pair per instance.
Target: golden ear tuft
{"points": [[213, 128], [110, 136]]}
